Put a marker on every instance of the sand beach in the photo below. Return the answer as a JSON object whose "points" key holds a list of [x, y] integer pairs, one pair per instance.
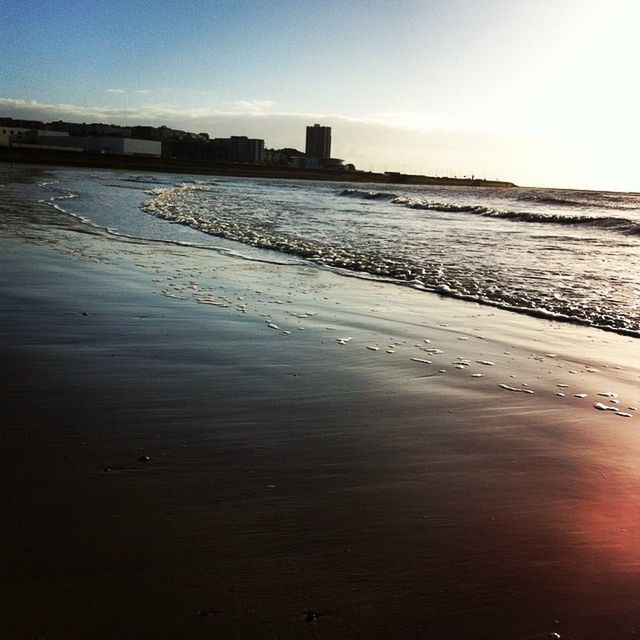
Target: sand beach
{"points": [[197, 444]]}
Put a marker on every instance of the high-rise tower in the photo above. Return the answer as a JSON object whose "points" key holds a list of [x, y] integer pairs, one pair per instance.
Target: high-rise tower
{"points": [[318, 142]]}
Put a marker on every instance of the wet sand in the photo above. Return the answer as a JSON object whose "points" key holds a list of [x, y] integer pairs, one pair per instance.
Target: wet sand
{"points": [[306, 478]]}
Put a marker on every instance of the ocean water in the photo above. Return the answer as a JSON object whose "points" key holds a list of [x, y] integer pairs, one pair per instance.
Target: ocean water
{"points": [[564, 254]]}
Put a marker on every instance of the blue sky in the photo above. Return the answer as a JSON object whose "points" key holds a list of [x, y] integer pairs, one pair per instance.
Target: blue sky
{"points": [[538, 92]]}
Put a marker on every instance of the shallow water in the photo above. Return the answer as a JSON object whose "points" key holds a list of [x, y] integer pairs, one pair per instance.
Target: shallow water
{"points": [[563, 254]]}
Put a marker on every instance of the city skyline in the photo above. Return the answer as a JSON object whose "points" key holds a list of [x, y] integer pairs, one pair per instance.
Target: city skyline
{"points": [[529, 92]]}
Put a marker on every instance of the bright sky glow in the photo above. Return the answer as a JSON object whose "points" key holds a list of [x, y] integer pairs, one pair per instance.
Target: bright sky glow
{"points": [[540, 92]]}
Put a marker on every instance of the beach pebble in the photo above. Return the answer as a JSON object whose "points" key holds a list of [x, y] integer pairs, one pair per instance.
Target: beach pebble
{"points": [[580, 395], [622, 414], [372, 348], [477, 375], [144, 459], [422, 360], [560, 394], [604, 407], [608, 394], [488, 363]]}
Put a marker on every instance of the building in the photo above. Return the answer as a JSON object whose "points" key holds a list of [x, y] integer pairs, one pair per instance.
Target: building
{"points": [[9, 134], [35, 138], [305, 162], [238, 149], [123, 146], [318, 142], [62, 141]]}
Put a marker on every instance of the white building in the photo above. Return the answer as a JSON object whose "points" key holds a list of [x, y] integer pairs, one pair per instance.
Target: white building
{"points": [[62, 141], [123, 146], [13, 134]]}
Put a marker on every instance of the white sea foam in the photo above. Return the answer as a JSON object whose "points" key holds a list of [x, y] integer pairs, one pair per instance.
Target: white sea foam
{"points": [[604, 407], [519, 389]]}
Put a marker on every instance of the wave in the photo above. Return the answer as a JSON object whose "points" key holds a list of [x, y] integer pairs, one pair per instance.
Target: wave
{"points": [[368, 195], [555, 201], [607, 223], [600, 201], [442, 206]]}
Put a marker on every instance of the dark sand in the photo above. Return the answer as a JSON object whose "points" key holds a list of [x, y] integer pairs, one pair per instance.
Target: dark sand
{"points": [[293, 473]]}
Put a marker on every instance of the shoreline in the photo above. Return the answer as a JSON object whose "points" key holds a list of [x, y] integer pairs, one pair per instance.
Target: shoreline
{"points": [[316, 444], [166, 165]]}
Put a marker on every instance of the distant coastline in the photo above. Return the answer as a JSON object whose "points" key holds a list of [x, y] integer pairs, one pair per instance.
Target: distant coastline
{"points": [[170, 165]]}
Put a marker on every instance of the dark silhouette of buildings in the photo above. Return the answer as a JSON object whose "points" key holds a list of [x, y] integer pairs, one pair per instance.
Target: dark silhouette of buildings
{"points": [[318, 142], [239, 149], [169, 143], [103, 139]]}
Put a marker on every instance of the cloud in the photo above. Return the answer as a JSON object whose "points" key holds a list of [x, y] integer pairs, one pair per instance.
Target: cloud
{"points": [[116, 91], [252, 106], [166, 113], [143, 91], [155, 114]]}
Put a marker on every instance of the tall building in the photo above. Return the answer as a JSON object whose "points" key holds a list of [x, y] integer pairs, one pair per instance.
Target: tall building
{"points": [[318, 142]]}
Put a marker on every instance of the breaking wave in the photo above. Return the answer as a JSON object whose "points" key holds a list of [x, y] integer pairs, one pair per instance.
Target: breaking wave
{"points": [[368, 195], [607, 223], [428, 205], [603, 202]]}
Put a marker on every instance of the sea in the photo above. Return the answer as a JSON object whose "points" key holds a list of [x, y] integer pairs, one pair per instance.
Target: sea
{"points": [[562, 254]]}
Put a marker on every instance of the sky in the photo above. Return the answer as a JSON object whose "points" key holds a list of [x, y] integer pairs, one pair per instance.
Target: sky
{"points": [[538, 92]]}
